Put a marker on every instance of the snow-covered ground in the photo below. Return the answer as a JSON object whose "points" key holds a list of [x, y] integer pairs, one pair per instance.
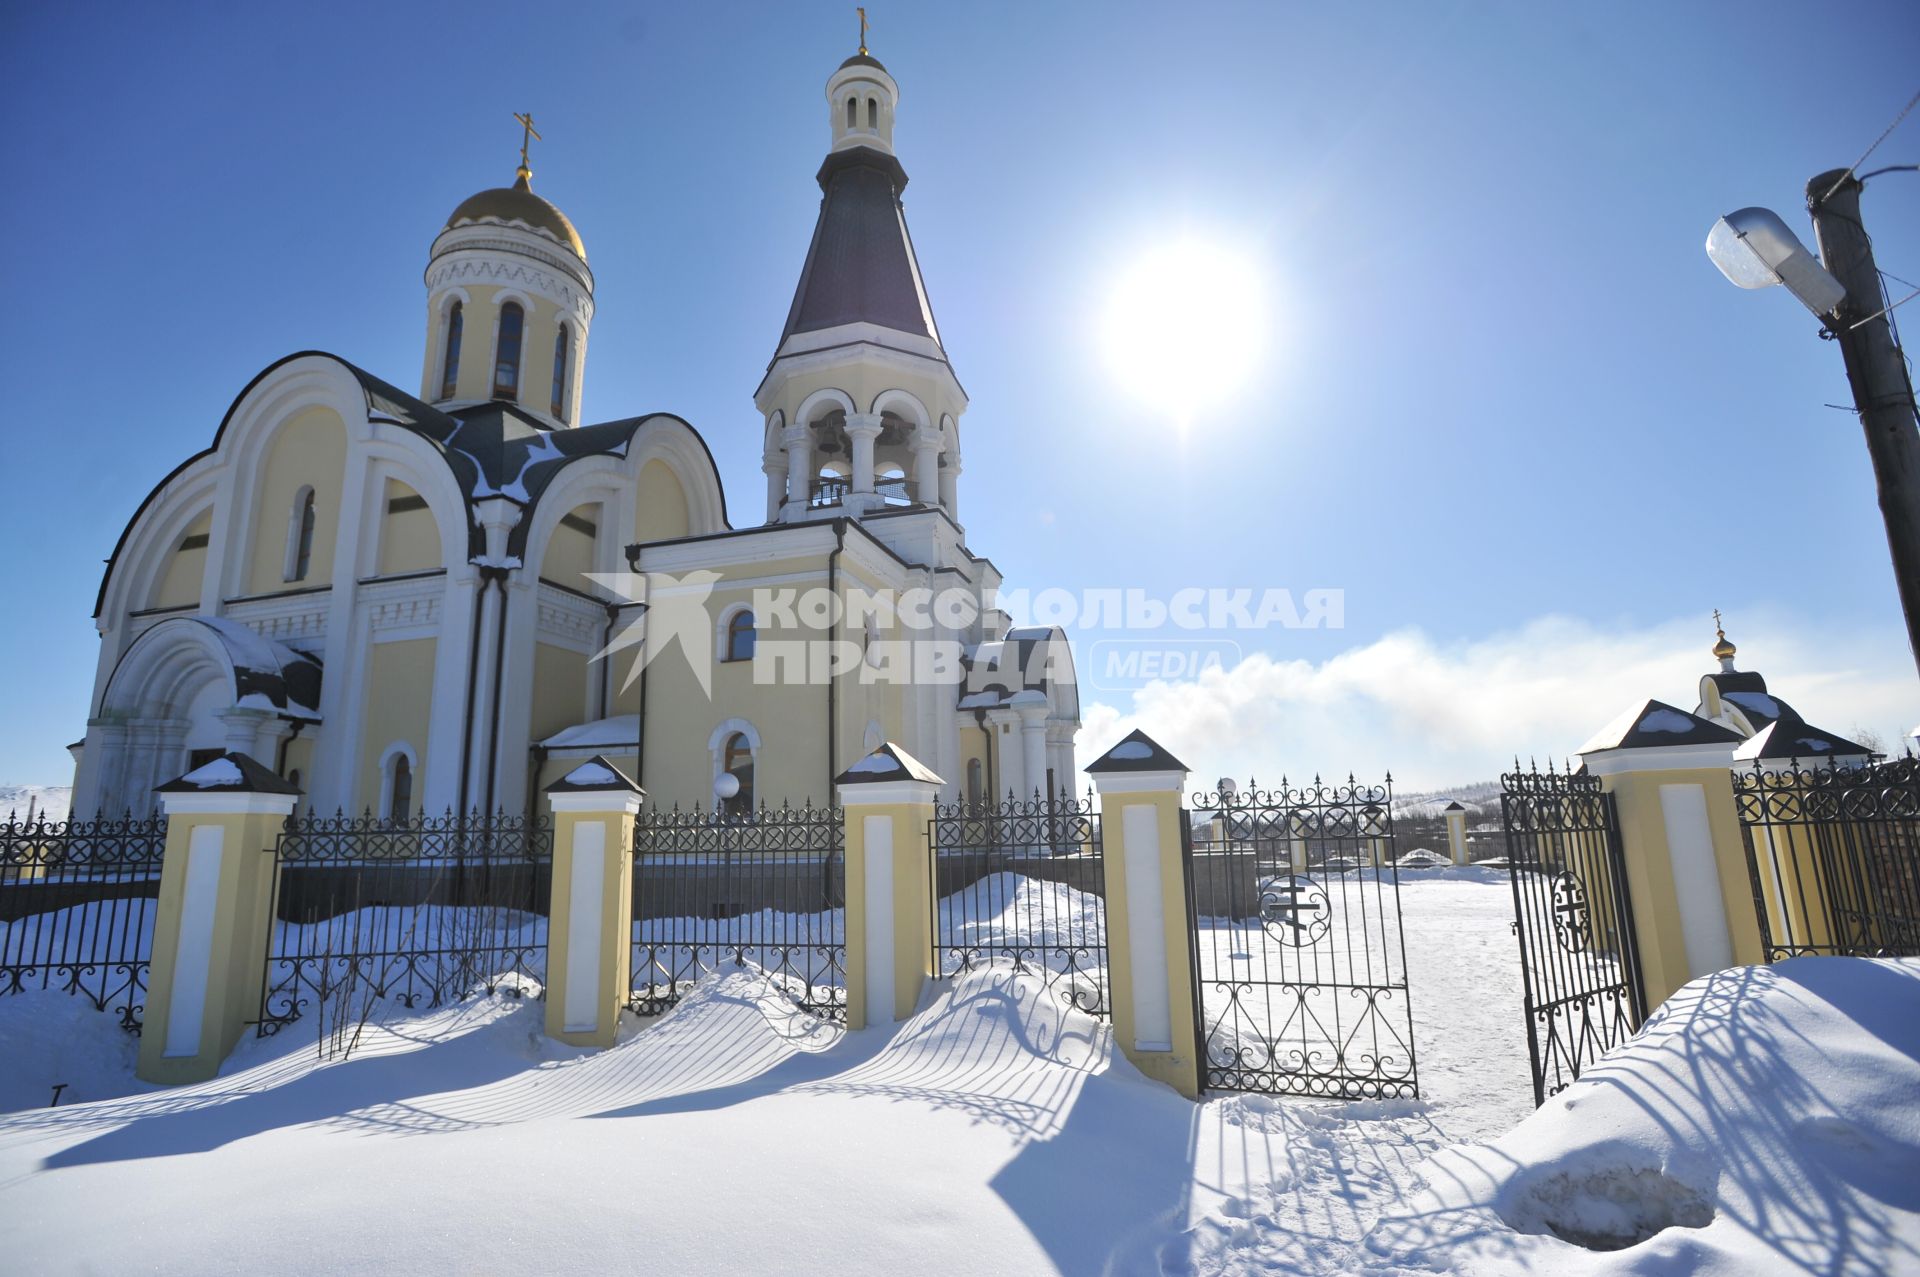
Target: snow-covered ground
{"points": [[996, 1132], [41, 802]]}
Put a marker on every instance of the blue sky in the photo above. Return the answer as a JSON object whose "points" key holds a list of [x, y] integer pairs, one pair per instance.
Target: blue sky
{"points": [[1506, 405]]}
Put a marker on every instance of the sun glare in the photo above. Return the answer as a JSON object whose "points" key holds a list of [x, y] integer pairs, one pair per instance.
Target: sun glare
{"points": [[1186, 326]]}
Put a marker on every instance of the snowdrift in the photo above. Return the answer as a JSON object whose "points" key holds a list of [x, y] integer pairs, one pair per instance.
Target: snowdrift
{"points": [[1766, 1119]]}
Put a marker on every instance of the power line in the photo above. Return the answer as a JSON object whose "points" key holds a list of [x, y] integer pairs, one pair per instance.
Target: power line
{"points": [[1884, 133]]}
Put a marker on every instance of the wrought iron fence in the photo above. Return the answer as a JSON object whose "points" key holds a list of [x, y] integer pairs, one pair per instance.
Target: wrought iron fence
{"points": [[77, 904], [719, 889], [1023, 882], [1302, 966], [1579, 954], [1834, 855], [415, 914]]}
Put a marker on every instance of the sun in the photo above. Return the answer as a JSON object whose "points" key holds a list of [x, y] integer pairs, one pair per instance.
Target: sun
{"points": [[1186, 325]]}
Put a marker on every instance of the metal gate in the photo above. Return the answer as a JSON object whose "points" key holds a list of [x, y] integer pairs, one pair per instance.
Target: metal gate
{"points": [[1300, 961], [1579, 958], [1834, 854], [1023, 883], [722, 890]]}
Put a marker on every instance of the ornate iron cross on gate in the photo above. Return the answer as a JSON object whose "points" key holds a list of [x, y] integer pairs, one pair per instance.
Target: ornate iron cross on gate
{"points": [[1297, 904]]}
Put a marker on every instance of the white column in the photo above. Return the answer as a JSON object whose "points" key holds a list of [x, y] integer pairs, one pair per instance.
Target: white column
{"points": [[863, 428], [950, 487], [1033, 742], [776, 471], [799, 469], [926, 471]]}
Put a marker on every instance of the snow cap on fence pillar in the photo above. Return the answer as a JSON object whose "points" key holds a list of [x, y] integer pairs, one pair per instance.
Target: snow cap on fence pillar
{"points": [[1654, 735], [887, 763], [596, 774], [229, 773], [1137, 762]]}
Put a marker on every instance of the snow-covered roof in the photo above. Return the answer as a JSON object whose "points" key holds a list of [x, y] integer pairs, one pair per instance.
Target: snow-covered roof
{"points": [[1653, 724], [1790, 738], [1137, 752], [622, 731], [267, 674], [1030, 659]]}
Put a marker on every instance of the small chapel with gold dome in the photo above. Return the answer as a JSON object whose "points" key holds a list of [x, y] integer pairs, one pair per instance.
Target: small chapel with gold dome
{"points": [[409, 603]]}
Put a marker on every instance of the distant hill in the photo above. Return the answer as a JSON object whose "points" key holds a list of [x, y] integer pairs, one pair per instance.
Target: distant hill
{"points": [[48, 801], [1481, 799]]}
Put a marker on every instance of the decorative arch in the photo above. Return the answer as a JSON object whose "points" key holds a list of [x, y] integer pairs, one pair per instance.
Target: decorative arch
{"points": [[399, 780], [904, 404], [730, 734], [809, 408]]}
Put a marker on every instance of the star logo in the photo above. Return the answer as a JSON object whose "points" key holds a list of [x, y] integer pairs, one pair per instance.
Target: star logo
{"points": [[673, 610]]}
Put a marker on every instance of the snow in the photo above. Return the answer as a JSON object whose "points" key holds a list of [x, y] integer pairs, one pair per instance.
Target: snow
{"points": [[997, 1131], [1772, 1113], [221, 773], [875, 764], [592, 774], [1667, 720], [1131, 749], [621, 729]]}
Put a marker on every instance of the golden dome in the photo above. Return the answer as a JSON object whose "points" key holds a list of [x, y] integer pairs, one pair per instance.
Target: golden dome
{"points": [[1723, 650], [518, 203]]}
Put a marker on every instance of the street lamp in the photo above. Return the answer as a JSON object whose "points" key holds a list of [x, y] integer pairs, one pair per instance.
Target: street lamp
{"points": [[1754, 248]]}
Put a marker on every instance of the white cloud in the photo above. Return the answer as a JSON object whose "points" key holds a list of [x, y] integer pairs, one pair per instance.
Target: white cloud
{"points": [[1449, 713]]}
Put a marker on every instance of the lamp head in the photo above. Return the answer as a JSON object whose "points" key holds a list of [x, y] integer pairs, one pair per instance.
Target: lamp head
{"points": [[1755, 249]]}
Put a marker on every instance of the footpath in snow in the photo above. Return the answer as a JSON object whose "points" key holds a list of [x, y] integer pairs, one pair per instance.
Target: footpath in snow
{"points": [[996, 1132]]}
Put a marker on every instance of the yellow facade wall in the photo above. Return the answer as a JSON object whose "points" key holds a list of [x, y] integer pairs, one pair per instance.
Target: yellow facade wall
{"points": [[659, 504], [310, 450], [560, 690], [569, 554], [399, 683], [180, 583], [409, 537]]}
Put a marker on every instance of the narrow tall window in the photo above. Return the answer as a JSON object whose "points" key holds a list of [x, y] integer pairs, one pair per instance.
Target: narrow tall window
{"points": [[873, 114], [300, 536], [853, 105], [975, 785], [400, 796], [560, 374], [450, 366], [506, 355], [738, 762], [740, 637]]}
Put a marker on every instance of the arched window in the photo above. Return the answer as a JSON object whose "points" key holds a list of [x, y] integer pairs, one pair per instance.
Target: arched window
{"points": [[560, 374], [506, 355], [740, 637], [873, 114], [396, 785], [853, 105], [738, 763], [300, 521], [450, 365], [976, 784]]}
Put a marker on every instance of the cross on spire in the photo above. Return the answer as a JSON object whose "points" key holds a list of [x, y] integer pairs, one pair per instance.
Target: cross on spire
{"points": [[528, 134], [863, 28]]}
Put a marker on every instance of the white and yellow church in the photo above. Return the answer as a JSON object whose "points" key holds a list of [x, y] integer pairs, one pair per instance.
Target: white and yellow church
{"points": [[399, 602]]}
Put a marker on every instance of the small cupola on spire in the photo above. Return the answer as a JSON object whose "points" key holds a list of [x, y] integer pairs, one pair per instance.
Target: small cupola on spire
{"points": [[861, 98], [509, 302], [1723, 648]]}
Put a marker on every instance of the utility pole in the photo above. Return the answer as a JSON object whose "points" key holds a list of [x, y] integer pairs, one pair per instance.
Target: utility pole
{"points": [[1882, 393]]}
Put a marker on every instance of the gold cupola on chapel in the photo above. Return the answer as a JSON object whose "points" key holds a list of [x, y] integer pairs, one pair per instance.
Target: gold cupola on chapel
{"points": [[509, 303]]}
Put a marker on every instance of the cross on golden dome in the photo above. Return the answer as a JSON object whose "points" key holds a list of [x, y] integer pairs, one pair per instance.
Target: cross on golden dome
{"points": [[863, 28], [1722, 650], [528, 134]]}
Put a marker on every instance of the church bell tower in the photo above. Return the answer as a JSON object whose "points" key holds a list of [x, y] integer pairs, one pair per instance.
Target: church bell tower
{"points": [[860, 407]]}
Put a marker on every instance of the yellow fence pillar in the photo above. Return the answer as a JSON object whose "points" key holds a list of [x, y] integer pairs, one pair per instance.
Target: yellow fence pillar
{"points": [[590, 924], [888, 799], [1150, 957], [1456, 832], [212, 918], [1670, 774]]}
